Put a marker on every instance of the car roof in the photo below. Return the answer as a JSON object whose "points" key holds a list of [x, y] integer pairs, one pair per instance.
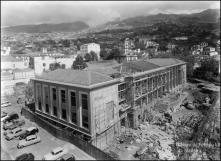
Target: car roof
{"points": [[31, 136], [17, 128], [4, 102], [31, 128], [57, 149], [66, 156]]}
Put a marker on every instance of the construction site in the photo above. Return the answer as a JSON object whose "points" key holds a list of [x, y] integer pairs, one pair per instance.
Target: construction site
{"points": [[184, 124]]}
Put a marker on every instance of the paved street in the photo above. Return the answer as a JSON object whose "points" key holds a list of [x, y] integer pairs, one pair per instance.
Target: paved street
{"points": [[48, 142]]}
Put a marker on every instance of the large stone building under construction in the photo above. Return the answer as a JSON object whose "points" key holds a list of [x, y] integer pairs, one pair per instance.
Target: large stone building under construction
{"points": [[97, 101]]}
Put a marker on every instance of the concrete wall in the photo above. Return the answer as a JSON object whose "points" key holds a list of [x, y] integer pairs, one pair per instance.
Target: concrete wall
{"points": [[100, 112], [105, 115]]}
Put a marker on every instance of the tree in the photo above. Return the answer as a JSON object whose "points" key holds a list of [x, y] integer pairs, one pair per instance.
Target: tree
{"points": [[88, 57], [29, 92], [103, 53], [94, 56], [113, 53], [208, 69], [54, 66], [79, 63]]}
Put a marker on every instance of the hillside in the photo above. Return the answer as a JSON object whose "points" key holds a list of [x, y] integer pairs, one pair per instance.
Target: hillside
{"points": [[43, 28], [206, 16]]}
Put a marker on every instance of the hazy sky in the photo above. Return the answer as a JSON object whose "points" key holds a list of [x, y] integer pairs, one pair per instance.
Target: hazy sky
{"points": [[93, 13]]}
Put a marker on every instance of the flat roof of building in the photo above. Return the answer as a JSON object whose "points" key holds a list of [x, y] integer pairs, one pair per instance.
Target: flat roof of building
{"points": [[83, 78], [164, 61], [136, 66]]}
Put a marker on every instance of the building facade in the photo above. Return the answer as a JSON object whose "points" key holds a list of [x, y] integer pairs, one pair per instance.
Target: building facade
{"points": [[128, 46], [96, 103], [87, 48], [82, 100], [139, 91]]}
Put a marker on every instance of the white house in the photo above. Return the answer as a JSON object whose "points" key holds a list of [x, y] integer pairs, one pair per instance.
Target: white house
{"points": [[5, 51], [42, 63], [87, 48], [9, 62]]}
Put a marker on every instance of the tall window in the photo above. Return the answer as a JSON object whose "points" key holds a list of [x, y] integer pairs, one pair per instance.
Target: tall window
{"points": [[63, 96], [47, 108], [46, 93], [74, 117], [73, 99], [39, 96], [64, 115], [84, 101], [55, 111], [85, 121], [39, 104], [54, 93]]}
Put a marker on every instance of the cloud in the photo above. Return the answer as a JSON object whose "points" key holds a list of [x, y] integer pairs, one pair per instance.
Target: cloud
{"points": [[92, 12]]}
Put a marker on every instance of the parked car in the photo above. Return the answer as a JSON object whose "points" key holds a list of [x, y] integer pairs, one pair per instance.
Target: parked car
{"points": [[67, 156], [14, 124], [12, 116], [5, 104], [29, 131], [55, 154], [3, 115], [14, 133], [32, 139], [26, 156]]}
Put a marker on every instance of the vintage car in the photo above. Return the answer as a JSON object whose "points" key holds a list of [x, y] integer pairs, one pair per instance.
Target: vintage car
{"points": [[28, 132], [55, 154], [5, 104], [25, 156], [67, 156], [10, 117], [14, 133], [32, 139], [14, 124]]}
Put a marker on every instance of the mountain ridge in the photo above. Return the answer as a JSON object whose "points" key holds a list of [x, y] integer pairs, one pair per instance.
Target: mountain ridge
{"points": [[47, 27], [205, 16]]}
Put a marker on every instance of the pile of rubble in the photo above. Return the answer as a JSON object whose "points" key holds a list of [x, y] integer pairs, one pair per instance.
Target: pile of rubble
{"points": [[158, 141]]}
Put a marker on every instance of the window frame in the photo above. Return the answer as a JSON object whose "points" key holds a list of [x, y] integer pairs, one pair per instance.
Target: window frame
{"points": [[39, 96], [64, 96], [65, 114], [82, 101], [54, 107]]}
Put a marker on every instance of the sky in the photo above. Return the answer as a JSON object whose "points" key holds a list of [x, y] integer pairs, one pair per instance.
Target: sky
{"points": [[92, 12]]}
